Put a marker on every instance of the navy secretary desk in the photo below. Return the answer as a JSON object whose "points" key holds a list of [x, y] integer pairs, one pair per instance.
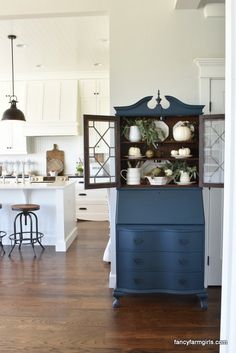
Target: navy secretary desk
{"points": [[160, 229]]}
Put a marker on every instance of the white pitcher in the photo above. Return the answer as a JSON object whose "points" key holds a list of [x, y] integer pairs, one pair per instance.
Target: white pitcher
{"points": [[134, 134], [132, 176], [184, 177]]}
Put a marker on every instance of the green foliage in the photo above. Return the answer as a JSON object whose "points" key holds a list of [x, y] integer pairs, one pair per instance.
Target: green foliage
{"points": [[150, 133], [178, 166]]}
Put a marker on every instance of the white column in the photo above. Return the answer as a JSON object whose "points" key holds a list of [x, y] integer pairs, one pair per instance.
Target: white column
{"points": [[228, 312]]}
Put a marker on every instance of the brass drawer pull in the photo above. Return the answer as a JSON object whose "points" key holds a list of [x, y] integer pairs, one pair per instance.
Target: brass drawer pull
{"points": [[83, 208], [82, 194]]}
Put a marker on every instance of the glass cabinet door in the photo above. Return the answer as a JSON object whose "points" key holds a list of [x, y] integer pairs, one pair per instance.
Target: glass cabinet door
{"points": [[212, 142], [100, 151]]}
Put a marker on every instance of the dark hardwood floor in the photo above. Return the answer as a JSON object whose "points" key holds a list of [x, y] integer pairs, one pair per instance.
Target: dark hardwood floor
{"points": [[61, 303]]}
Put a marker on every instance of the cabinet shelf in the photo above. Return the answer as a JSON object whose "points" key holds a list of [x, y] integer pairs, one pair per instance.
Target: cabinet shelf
{"points": [[160, 158], [171, 142], [148, 186]]}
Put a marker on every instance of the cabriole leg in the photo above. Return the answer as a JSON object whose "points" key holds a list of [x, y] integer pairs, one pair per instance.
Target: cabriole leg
{"points": [[203, 301], [116, 302]]}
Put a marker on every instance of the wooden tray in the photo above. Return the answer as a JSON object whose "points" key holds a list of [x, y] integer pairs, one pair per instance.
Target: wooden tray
{"points": [[55, 160]]}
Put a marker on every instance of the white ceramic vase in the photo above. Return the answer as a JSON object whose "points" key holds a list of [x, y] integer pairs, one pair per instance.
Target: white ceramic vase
{"points": [[184, 177], [132, 176], [134, 134]]}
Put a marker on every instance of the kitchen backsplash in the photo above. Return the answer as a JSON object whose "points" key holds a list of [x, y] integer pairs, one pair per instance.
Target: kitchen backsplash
{"points": [[71, 145]]}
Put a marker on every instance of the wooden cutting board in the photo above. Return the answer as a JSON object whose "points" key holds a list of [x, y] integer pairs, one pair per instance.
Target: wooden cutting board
{"points": [[55, 160]]}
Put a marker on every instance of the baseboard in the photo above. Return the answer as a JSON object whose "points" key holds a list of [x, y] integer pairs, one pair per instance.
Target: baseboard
{"points": [[64, 246], [112, 280]]}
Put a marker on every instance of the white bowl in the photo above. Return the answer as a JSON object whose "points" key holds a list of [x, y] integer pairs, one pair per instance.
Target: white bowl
{"points": [[158, 180]]}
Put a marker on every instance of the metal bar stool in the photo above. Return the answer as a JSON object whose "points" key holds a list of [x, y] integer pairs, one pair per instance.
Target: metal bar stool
{"points": [[2, 234], [26, 217]]}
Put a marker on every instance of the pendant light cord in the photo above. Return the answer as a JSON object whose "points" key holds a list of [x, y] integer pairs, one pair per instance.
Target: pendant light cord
{"points": [[12, 37], [12, 66], [13, 113]]}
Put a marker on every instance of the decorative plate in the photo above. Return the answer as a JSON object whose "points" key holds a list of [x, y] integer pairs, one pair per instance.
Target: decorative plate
{"points": [[182, 157], [55, 165], [189, 183], [164, 129], [134, 157]]}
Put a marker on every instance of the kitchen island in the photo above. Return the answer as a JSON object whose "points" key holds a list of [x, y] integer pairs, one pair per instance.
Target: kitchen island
{"points": [[57, 210]]}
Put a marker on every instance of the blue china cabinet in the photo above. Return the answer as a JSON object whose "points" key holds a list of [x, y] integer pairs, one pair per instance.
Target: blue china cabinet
{"points": [[160, 226]]}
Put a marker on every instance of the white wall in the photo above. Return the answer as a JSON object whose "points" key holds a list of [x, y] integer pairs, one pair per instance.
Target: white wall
{"points": [[153, 47]]}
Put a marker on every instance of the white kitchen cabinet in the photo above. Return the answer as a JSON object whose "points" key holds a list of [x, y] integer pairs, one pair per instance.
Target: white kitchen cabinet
{"points": [[12, 137], [52, 107], [94, 99], [94, 96], [91, 205]]}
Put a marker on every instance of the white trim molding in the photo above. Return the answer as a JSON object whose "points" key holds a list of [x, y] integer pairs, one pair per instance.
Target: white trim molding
{"points": [[210, 67], [112, 280], [214, 11], [228, 303], [186, 4]]}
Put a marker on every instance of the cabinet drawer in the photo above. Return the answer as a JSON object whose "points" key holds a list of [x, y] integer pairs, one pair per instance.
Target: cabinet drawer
{"points": [[163, 281], [161, 240], [79, 185], [160, 261], [92, 212], [91, 196], [91, 208]]}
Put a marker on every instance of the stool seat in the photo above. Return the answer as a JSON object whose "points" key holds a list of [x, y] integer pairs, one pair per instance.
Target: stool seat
{"points": [[27, 207]]}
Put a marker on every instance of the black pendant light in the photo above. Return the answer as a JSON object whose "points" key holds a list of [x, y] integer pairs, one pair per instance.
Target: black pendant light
{"points": [[13, 113]]}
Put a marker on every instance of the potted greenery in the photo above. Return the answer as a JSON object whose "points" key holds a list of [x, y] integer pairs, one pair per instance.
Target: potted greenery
{"points": [[79, 168], [181, 171], [150, 133]]}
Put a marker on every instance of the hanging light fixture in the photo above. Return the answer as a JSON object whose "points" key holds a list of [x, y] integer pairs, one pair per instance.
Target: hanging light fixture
{"points": [[13, 113]]}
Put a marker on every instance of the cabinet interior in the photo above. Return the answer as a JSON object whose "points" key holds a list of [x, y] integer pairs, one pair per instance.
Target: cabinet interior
{"points": [[162, 153]]}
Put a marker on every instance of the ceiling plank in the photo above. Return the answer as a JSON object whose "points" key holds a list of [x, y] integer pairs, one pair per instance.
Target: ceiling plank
{"points": [[186, 4]]}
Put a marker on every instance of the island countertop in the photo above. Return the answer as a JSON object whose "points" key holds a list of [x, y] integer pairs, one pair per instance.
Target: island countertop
{"points": [[34, 186]]}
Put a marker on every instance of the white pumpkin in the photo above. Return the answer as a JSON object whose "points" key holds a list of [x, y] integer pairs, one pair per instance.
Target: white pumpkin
{"points": [[184, 151], [182, 133], [134, 152], [174, 153]]}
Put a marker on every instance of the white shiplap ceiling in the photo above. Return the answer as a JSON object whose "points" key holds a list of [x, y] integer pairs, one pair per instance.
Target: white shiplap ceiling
{"points": [[59, 44]]}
